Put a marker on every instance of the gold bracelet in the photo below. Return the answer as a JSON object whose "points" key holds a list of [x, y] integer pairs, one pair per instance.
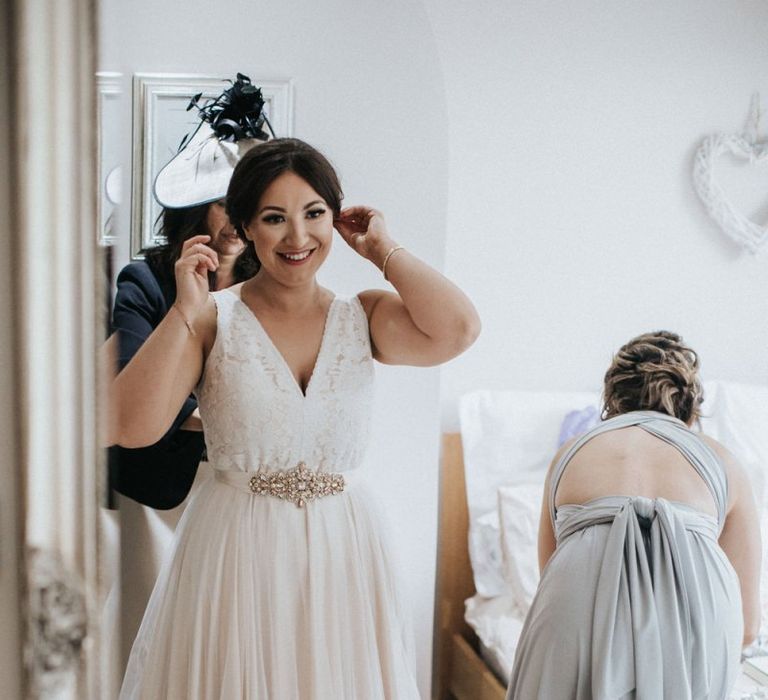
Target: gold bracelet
{"points": [[386, 260], [184, 318]]}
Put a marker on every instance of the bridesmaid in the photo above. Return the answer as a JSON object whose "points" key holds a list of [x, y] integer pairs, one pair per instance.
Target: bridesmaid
{"points": [[649, 547]]}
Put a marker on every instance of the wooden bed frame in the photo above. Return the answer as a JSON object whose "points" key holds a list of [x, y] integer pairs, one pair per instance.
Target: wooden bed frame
{"points": [[458, 671]]}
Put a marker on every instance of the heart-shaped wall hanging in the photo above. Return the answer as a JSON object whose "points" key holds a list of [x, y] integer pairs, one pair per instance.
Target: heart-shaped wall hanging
{"points": [[747, 146]]}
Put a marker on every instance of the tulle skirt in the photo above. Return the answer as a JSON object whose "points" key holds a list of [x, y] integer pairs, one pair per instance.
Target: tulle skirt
{"points": [[262, 600]]}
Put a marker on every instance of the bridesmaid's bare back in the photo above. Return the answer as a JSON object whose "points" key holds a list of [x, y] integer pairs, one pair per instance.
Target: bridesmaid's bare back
{"points": [[631, 462]]}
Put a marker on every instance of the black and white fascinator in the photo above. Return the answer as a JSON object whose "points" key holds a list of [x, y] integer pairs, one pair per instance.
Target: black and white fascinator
{"points": [[229, 126]]}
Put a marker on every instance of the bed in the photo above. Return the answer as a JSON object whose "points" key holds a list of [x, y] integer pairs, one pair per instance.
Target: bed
{"points": [[490, 486]]}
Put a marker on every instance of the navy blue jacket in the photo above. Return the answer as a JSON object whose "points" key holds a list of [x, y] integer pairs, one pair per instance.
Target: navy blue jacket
{"points": [[160, 475]]}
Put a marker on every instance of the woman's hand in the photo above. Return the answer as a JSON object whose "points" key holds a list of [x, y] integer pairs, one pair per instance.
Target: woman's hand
{"points": [[191, 270], [429, 320], [366, 232]]}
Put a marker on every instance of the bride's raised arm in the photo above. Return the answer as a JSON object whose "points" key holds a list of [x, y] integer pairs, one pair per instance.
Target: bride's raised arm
{"points": [[429, 320]]}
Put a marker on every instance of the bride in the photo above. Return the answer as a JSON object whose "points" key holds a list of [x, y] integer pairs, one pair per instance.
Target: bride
{"points": [[279, 584]]}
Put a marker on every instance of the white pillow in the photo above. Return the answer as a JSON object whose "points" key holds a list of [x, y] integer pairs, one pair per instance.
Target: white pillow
{"points": [[485, 555], [520, 512], [507, 437]]}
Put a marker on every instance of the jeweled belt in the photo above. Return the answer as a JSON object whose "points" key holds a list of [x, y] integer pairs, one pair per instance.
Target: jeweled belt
{"points": [[298, 485]]}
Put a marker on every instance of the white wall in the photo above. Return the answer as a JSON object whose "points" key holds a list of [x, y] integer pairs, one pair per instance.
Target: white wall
{"points": [[370, 95], [572, 221]]}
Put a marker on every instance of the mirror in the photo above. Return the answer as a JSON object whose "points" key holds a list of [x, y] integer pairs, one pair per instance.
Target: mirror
{"points": [[344, 115], [541, 156]]}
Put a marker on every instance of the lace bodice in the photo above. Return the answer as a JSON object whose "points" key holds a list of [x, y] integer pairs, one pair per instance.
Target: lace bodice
{"points": [[253, 412]]}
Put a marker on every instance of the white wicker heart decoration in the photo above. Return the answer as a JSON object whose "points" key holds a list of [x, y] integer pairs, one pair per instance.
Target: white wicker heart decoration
{"points": [[737, 226]]}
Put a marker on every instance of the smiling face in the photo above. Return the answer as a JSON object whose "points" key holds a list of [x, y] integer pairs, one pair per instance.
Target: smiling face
{"points": [[224, 238], [292, 230]]}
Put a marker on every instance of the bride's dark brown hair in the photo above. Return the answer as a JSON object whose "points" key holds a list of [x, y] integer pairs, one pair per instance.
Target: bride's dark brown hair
{"points": [[654, 372], [264, 163]]}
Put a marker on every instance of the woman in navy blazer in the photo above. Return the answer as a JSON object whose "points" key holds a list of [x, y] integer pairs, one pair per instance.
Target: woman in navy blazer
{"points": [[191, 189], [161, 475]]}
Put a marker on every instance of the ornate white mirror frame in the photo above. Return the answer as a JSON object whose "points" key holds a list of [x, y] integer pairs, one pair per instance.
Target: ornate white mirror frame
{"points": [[53, 467]]}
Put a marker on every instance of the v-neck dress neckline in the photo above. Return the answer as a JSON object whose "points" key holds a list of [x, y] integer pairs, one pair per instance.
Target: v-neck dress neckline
{"points": [[303, 394]]}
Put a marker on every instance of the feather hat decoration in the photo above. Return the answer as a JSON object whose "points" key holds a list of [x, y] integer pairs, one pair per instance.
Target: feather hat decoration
{"points": [[230, 125]]}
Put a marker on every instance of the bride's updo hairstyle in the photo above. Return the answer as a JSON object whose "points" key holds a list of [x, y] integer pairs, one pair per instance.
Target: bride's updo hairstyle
{"points": [[654, 372], [264, 163]]}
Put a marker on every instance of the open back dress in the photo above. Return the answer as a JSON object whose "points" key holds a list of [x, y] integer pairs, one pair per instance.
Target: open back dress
{"points": [[638, 600]]}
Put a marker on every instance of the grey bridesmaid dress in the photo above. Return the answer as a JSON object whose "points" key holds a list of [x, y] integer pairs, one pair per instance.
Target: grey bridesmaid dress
{"points": [[638, 601]]}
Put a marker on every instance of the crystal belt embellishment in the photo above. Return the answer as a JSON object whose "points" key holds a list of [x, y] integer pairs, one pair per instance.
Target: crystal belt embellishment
{"points": [[298, 485]]}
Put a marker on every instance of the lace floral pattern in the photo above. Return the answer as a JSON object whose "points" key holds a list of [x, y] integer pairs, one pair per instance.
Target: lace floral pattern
{"points": [[254, 414]]}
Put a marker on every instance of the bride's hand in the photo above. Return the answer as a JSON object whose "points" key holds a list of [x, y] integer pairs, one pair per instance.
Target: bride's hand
{"points": [[191, 271], [366, 232]]}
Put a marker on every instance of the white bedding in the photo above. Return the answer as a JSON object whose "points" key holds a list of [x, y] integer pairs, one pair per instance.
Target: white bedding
{"points": [[509, 438]]}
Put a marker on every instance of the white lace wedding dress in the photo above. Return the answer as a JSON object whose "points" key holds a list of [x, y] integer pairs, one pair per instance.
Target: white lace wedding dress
{"points": [[274, 598]]}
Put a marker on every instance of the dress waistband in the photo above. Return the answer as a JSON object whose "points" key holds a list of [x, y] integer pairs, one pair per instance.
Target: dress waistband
{"points": [[298, 485]]}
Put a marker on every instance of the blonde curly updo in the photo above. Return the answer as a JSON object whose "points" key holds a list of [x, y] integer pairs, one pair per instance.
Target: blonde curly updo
{"points": [[654, 372]]}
